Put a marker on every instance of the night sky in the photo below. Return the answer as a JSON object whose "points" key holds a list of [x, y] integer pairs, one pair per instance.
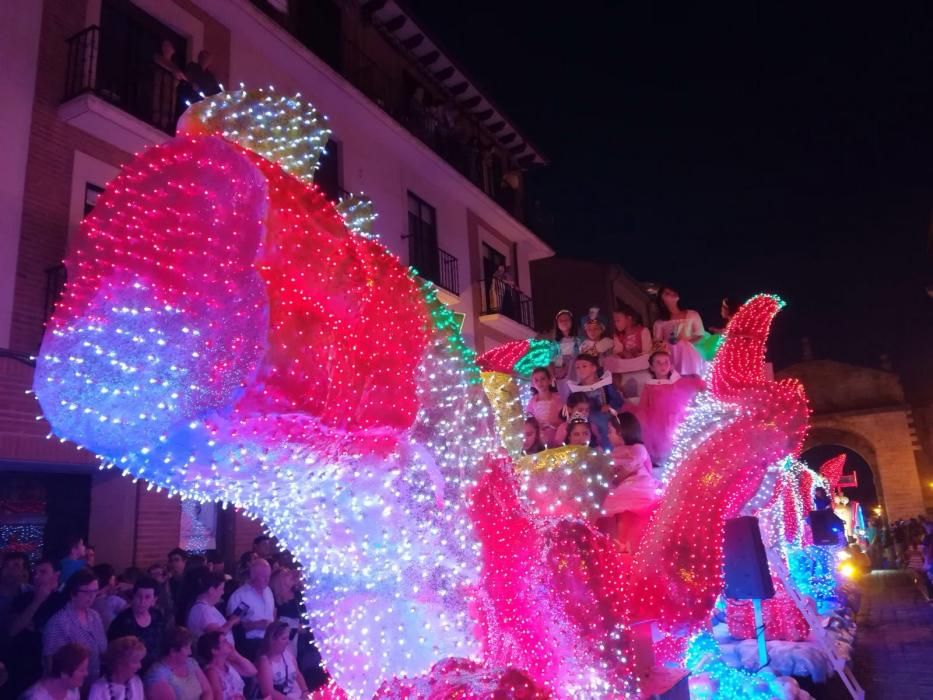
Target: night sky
{"points": [[729, 151]]}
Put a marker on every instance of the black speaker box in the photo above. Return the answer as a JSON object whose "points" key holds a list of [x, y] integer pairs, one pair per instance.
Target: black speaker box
{"points": [[746, 566], [827, 527]]}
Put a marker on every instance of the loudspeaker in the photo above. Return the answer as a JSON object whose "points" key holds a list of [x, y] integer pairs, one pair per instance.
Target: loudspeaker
{"points": [[746, 566], [827, 527]]}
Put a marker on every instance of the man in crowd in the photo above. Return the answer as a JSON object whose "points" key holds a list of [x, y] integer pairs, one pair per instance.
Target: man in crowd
{"points": [[14, 575], [254, 604], [264, 547], [176, 573], [142, 620], [77, 623], [74, 559]]}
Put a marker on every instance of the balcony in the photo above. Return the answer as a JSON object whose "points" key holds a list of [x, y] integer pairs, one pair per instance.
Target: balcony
{"points": [[506, 308], [120, 99], [434, 264]]}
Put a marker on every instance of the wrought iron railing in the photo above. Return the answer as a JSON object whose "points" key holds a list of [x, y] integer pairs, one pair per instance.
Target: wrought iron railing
{"points": [[122, 77], [502, 297], [433, 264]]}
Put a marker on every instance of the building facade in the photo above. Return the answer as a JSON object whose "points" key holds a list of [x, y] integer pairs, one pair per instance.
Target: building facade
{"points": [[443, 165]]}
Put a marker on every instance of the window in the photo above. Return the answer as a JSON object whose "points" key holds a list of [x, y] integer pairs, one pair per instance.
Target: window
{"points": [[91, 193], [422, 238], [327, 176]]}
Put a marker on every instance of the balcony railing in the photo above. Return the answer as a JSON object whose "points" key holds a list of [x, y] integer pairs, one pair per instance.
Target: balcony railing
{"points": [[124, 78], [434, 264], [502, 297]]}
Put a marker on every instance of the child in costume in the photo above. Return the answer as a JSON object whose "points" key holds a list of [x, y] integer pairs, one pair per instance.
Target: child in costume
{"points": [[635, 490], [663, 404], [680, 330], [532, 443], [545, 404], [579, 431], [631, 346], [596, 384], [565, 335], [577, 406], [594, 341]]}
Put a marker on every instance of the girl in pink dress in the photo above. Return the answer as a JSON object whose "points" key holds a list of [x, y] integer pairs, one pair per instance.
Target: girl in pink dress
{"points": [[663, 404], [631, 345], [635, 490], [545, 405]]}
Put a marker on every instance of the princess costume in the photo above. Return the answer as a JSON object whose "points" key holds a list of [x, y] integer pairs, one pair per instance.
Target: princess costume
{"points": [[547, 413], [684, 355], [661, 409], [629, 362], [638, 490]]}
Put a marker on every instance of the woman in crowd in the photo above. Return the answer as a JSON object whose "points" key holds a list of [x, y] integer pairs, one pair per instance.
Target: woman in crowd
{"points": [[594, 340], [67, 672], [278, 668], [545, 404], [532, 443], [224, 668], [628, 361], [565, 335], [663, 404], [120, 681], [284, 585], [635, 490], [204, 616], [176, 675], [680, 329], [78, 622]]}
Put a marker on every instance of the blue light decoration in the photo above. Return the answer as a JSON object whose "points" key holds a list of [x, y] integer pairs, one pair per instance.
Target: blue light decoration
{"points": [[703, 657], [812, 571]]}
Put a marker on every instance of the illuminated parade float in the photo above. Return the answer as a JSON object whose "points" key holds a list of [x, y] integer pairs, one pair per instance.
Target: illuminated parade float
{"points": [[229, 334]]}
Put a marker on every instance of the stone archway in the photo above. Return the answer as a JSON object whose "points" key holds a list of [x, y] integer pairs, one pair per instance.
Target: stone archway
{"points": [[822, 435]]}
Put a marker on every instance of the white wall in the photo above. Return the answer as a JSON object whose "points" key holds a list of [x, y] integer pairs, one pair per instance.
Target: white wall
{"points": [[20, 24]]}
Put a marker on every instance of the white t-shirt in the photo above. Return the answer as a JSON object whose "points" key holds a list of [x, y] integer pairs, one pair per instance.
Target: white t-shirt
{"points": [[102, 690], [261, 607], [38, 692], [201, 616]]}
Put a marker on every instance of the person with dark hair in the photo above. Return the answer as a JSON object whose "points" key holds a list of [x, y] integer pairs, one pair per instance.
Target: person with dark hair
{"points": [[679, 329], [74, 559], [68, 672], [279, 677], [142, 620], [532, 443], [631, 345], [224, 668], [29, 613], [579, 432], [202, 81], [635, 490], [176, 572], [204, 616], [107, 604], [78, 622], [578, 406], [14, 575], [663, 404], [159, 573], [264, 547], [728, 308], [596, 384], [545, 404], [90, 556], [565, 335], [123, 660], [176, 676]]}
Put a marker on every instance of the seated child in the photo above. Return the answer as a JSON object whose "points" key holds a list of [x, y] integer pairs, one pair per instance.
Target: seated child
{"points": [[532, 443], [596, 384], [545, 405], [578, 406], [631, 347], [635, 490], [579, 431]]}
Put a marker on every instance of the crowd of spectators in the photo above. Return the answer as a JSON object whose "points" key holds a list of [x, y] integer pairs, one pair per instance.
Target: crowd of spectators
{"points": [[181, 630]]}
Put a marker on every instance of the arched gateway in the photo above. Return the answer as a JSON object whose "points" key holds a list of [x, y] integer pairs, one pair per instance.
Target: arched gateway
{"points": [[864, 410]]}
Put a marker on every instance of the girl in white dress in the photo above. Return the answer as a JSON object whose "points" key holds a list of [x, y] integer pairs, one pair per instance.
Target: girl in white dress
{"points": [[680, 330]]}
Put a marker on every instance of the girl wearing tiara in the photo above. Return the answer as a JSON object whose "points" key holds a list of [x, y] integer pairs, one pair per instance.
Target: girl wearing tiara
{"points": [[635, 490], [663, 404], [545, 404], [578, 431], [596, 384], [680, 330]]}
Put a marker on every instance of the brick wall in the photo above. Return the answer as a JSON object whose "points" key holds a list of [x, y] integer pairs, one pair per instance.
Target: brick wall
{"points": [[245, 531], [158, 525]]}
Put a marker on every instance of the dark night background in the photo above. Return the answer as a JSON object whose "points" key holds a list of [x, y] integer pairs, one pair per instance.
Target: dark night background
{"points": [[730, 150]]}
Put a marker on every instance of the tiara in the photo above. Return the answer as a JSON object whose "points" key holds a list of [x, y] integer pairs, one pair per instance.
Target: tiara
{"points": [[578, 417]]}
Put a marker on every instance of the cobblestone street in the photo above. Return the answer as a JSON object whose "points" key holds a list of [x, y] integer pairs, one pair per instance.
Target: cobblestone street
{"points": [[893, 657]]}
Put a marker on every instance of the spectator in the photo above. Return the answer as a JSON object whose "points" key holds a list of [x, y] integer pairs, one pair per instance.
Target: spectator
{"points": [[204, 616], [223, 667], [545, 404], [264, 547], [635, 490], [123, 660], [176, 574], [284, 584], [596, 384], [254, 604], [68, 670], [278, 668], [532, 443], [164, 601], [74, 559], [565, 335], [176, 675], [107, 604], [77, 622], [29, 614], [142, 620], [663, 405], [202, 80], [90, 556], [631, 346], [215, 562], [14, 575], [680, 330]]}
